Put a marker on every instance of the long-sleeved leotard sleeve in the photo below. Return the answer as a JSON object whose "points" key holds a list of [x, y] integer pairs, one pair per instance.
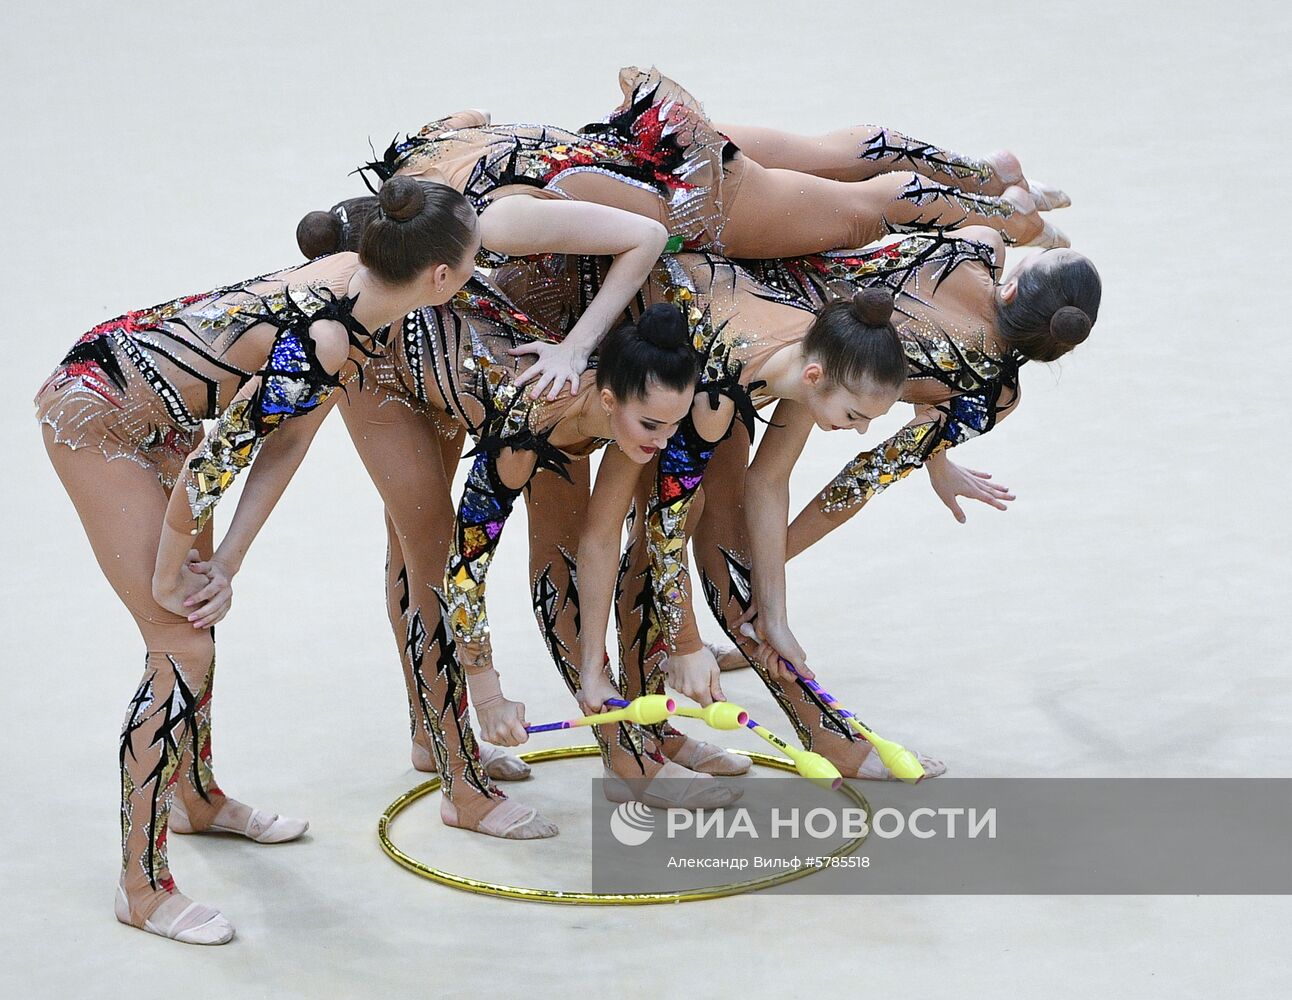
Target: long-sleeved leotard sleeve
{"points": [[291, 383], [934, 429], [683, 460], [481, 392]]}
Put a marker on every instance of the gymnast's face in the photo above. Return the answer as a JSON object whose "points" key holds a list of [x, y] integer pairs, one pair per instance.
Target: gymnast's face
{"points": [[641, 426], [837, 407]]}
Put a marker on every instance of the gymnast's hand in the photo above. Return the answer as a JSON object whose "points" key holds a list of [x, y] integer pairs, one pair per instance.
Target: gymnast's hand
{"points": [[950, 481], [174, 594], [210, 604], [502, 721], [558, 365], [594, 690], [776, 644], [696, 675]]}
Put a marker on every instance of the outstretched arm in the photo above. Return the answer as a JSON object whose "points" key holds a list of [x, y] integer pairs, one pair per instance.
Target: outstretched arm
{"points": [[933, 430], [677, 482], [519, 225]]}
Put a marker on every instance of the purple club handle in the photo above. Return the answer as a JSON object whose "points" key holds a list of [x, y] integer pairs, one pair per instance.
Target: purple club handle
{"points": [[548, 727]]}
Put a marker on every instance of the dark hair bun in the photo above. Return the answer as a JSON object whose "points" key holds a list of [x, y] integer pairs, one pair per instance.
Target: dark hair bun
{"points": [[1070, 325], [873, 306], [319, 233], [402, 198], [664, 326]]}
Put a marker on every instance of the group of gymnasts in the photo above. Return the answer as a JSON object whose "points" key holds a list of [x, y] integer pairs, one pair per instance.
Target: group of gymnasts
{"points": [[643, 285]]}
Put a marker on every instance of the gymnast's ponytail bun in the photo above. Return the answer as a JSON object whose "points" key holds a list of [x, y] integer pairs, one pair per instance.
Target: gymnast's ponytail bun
{"points": [[1070, 325], [664, 326], [416, 225], [1055, 304], [855, 344], [873, 306], [656, 350], [319, 233], [402, 199], [341, 228]]}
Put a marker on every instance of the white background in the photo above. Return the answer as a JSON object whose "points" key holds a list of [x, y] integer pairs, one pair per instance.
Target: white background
{"points": [[1128, 616]]}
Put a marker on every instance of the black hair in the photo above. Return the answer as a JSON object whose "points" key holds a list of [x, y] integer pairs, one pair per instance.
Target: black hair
{"points": [[656, 349], [854, 341], [410, 225], [339, 228], [1053, 309], [417, 223]]}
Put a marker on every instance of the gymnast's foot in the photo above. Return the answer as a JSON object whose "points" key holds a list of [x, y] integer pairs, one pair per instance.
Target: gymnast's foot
{"points": [[1048, 198], [706, 758], [1025, 220], [498, 763], [1009, 172], [668, 786], [236, 817], [874, 769], [728, 657], [177, 918], [507, 819]]}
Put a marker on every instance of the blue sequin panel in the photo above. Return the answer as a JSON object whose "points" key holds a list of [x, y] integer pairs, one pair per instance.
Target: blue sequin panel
{"points": [[481, 501], [283, 394], [967, 416]]}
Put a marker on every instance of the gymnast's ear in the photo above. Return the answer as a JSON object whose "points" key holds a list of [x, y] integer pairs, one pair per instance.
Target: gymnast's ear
{"points": [[1008, 291], [813, 375], [440, 276]]}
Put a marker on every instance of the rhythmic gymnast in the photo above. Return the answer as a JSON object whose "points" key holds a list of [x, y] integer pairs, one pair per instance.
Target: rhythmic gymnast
{"points": [[121, 418], [965, 337], [657, 170]]}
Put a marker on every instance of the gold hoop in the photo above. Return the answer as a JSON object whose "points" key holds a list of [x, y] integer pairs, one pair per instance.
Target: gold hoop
{"points": [[468, 884]]}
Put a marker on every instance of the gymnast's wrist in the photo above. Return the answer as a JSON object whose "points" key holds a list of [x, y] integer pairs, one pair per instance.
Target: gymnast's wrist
{"points": [[484, 687], [771, 613], [593, 668], [227, 561]]}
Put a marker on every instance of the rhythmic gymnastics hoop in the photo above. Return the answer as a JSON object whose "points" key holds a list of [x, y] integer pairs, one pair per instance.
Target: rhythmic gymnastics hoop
{"points": [[533, 895]]}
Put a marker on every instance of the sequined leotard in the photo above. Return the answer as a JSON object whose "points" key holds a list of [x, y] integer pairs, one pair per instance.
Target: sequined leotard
{"points": [[658, 141], [139, 386]]}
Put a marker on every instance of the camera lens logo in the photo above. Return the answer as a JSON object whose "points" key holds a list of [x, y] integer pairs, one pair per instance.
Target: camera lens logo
{"points": [[632, 824]]}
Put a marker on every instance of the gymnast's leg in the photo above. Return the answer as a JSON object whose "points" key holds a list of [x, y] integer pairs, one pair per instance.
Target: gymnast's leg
{"points": [[643, 653], [122, 507], [498, 764], [722, 558], [784, 213], [402, 454], [866, 151], [199, 806], [557, 509]]}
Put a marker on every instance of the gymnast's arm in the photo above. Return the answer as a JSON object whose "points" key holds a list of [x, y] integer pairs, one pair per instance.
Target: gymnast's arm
{"points": [[232, 444], [598, 563], [767, 506], [519, 225], [933, 430], [496, 478]]}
